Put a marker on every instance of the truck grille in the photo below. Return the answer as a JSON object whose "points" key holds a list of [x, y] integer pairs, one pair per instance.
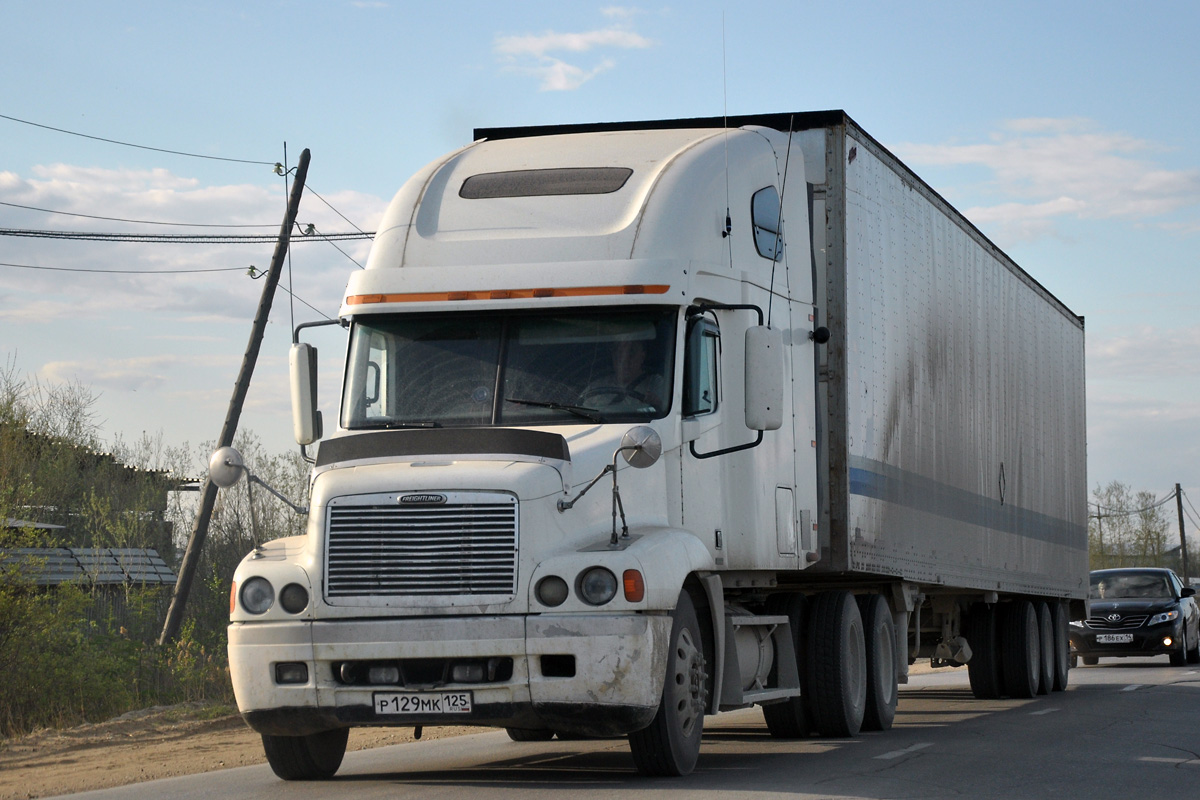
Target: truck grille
{"points": [[464, 546]]}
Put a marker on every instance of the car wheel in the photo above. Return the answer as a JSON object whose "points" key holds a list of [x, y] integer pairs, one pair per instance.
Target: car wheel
{"points": [[529, 734], [1179, 658], [1091, 661]]}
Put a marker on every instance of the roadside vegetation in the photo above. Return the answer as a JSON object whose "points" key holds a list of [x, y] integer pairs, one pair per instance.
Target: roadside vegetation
{"points": [[1128, 528], [81, 651]]}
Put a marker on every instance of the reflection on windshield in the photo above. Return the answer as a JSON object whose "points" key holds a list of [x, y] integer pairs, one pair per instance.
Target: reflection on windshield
{"points": [[1134, 585], [510, 368]]}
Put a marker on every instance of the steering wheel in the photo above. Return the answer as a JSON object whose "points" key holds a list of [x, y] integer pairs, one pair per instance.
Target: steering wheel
{"points": [[612, 393]]}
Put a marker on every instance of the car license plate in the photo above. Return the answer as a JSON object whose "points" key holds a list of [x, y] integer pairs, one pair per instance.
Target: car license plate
{"points": [[423, 703], [1114, 638]]}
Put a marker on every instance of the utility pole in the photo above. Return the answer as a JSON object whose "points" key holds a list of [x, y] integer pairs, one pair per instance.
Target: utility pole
{"points": [[1182, 536], [191, 557]]}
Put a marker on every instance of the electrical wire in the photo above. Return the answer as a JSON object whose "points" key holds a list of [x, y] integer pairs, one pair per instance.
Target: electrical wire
{"points": [[137, 221], [312, 229], [123, 271], [1113, 512], [313, 191], [138, 146], [174, 238]]}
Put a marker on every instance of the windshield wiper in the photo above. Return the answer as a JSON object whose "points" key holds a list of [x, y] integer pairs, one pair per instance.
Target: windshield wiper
{"points": [[579, 411], [376, 426]]}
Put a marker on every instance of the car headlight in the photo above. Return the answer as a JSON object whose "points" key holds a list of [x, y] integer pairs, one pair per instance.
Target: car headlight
{"points": [[257, 595], [597, 586], [1165, 616]]}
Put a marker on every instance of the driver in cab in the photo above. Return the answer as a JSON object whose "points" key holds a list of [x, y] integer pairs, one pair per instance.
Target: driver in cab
{"points": [[631, 379]]}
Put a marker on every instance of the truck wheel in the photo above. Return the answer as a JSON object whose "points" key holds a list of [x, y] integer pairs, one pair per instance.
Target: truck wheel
{"points": [[670, 745], [1046, 646], [306, 758], [529, 734], [984, 670], [791, 719], [880, 648], [1021, 649], [837, 665], [1063, 660]]}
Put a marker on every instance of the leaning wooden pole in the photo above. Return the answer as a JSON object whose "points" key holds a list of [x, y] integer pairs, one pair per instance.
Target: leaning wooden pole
{"points": [[208, 495]]}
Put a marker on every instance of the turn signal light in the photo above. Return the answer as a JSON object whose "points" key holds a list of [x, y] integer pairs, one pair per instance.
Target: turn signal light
{"points": [[635, 587]]}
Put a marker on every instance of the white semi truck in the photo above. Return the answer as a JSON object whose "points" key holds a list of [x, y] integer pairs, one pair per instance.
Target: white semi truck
{"points": [[643, 422]]}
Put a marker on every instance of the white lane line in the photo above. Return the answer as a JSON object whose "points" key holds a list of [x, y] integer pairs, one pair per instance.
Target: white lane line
{"points": [[1191, 762], [1133, 687], [1043, 712], [897, 753]]}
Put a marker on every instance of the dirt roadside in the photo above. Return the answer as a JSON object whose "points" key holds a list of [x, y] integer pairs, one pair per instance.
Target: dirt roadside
{"points": [[145, 745]]}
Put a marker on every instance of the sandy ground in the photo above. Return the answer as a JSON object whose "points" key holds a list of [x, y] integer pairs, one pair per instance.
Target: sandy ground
{"points": [[150, 744]]}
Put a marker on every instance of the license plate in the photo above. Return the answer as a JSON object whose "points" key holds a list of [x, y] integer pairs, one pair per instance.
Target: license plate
{"points": [[423, 703], [1114, 638]]}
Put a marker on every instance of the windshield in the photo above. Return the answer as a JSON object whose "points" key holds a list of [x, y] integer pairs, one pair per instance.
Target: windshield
{"points": [[1128, 585], [509, 368]]}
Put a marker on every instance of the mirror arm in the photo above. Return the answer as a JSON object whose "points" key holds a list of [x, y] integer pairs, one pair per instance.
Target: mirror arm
{"points": [[252, 478], [316, 324]]}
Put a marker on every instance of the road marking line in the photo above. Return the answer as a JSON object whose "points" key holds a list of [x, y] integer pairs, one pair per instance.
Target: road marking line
{"points": [[1132, 687], [1043, 711], [905, 751], [1189, 761]]}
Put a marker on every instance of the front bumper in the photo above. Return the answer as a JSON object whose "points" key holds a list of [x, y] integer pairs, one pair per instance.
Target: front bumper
{"points": [[1144, 642], [598, 674]]}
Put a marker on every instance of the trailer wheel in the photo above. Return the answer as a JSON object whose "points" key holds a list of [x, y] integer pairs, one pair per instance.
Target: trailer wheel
{"points": [[837, 665], [1021, 648], [1062, 646], [529, 734], [316, 756], [984, 669], [1046, 635], [880, 648], [670, 745], [791, 719]]}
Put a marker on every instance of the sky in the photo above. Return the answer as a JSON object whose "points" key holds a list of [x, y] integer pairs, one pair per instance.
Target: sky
{"points": [[1068, 132]]}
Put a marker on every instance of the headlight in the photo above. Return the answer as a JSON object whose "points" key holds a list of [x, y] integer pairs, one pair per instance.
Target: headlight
{"points": [[597, 586], [293, 598], [1166, 616], [551, 591], [257, 595]]}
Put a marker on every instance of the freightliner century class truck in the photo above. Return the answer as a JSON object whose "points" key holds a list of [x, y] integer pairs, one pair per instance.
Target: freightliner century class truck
{"points": [[643, 422]]}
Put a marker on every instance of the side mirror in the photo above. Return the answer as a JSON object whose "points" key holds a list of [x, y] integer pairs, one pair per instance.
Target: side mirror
{"points": [[1187, 591], [306, 419], [226, 467], [641, 446], [764, 379]]}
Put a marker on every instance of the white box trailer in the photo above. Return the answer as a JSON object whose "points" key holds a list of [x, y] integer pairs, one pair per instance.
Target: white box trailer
{"points": [[835, 429]]}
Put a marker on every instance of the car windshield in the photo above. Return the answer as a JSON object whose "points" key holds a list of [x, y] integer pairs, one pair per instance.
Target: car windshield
{"points": [[509, 368], [1126, 585]]}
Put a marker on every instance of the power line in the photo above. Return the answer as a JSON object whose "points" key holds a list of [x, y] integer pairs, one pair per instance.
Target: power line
{"points": [[124, 271], [139, 221], [1114, 512], [175, 238], [334, 210], [312, 229], [138, 146]]}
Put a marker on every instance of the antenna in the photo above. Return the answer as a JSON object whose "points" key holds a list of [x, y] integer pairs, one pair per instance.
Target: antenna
{"points": [[725, 123], [779, 224]]}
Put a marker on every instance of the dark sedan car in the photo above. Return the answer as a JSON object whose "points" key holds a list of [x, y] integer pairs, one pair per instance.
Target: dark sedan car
{"points": [[1138, 612]]}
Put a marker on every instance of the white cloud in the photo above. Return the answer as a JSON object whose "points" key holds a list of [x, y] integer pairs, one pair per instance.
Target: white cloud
{"points": [[535, 54], [1048, 169]]}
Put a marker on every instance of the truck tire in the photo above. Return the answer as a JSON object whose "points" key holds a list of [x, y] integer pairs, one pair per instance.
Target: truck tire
{"points": [[880, 646], [529, 734], [837, 665], [670, 745], [984, 669], [316, 756], [1020, 645], [1046, 646], [1062, 646], [791, 719]]}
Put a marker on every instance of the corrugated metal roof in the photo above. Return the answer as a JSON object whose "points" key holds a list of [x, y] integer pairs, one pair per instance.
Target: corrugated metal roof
{"points": [[49, 566]]}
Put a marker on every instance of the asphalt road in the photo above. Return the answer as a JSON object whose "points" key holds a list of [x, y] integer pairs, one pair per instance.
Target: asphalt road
{"points": [[1127, 729]]}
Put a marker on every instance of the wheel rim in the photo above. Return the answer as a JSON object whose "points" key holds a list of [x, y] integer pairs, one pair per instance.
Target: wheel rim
{"points": [[687, 683]]}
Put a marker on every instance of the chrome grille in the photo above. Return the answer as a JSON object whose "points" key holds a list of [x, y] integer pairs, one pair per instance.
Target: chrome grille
{"points": [[1101, 623], [465, 546]]}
